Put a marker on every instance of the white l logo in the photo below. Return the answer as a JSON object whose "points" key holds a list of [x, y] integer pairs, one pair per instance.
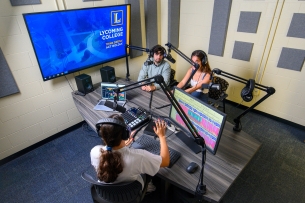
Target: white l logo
{"points": [[116, 20]]}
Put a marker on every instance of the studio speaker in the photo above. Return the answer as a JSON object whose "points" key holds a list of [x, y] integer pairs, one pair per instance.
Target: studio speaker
{"points": [[108, 74], [84, 83]]}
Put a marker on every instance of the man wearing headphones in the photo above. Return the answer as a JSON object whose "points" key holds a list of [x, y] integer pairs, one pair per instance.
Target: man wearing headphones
{"points": [[202, 76], [156, 67]]}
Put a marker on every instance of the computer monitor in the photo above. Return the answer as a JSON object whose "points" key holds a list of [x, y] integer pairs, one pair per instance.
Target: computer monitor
{"points": [[208, 121], [107, 91]]}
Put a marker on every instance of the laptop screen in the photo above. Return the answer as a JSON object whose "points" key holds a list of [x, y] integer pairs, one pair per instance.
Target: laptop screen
{"points": [[107, 91]]}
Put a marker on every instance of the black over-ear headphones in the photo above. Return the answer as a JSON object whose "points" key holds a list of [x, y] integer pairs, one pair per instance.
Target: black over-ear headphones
{"points": [[113, 121], [246, 92], [205, 57], [152, 51]]}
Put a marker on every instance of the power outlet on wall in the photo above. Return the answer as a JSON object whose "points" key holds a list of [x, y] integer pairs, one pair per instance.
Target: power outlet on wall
{"points": [[256, 92]]}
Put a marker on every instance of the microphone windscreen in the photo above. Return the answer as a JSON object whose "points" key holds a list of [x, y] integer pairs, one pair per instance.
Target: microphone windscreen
{"points": [[170, 58], [115, 107], [148, 62]]}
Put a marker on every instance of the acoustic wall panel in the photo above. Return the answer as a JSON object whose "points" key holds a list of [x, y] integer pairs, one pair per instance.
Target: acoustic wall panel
{"points": [[151, 23], [24, 2], [135, 27], [242, 50], [219, 27], [173, 22], [8, 85], [248, 21], [292, 59], [297, 26]]}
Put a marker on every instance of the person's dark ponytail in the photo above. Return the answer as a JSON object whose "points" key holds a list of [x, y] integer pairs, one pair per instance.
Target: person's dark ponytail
{"points": [[111, 164]]}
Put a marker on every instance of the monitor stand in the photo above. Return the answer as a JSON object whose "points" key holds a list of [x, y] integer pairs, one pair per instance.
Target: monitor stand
{"points": [[189, 142]]}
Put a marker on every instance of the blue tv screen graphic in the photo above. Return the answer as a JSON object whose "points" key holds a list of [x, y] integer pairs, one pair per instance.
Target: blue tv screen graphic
{"points": [[72, 40]]}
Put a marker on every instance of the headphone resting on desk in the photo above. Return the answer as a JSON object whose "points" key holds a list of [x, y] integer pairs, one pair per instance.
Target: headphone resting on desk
{"points": [[112, 121]]}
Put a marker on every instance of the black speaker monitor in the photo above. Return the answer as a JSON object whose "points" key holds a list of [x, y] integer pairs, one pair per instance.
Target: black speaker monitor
{"points": [[84, 83], [108, 74]]}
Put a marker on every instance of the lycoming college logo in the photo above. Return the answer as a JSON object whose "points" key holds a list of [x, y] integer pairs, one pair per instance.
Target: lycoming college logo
{"points": [[116, 18]]}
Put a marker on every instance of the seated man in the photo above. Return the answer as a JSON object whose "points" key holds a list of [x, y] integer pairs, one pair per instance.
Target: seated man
{"points": [[159, 66]]}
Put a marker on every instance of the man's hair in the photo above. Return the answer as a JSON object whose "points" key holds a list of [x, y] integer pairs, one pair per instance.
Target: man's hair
{"points": [[158, 48]]}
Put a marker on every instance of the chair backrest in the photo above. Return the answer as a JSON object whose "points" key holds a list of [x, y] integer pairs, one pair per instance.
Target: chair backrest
{"points": [[122, 192], [172, 81], [172, 76], [216, 94]]}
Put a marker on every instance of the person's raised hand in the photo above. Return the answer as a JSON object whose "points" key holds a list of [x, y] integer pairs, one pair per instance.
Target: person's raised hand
{"points": [[160, 128]]}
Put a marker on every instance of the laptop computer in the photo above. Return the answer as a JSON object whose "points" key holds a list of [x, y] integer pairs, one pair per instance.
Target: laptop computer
{"points": [[108, 95]]}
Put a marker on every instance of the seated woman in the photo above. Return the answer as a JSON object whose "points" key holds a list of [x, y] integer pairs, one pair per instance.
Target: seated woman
{"points": [[202, 76], [115, 162]]}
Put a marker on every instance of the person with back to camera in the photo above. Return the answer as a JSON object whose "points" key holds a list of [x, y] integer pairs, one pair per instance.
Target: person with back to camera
{"points": [[159, 66], [115, 162], [202, 76]]}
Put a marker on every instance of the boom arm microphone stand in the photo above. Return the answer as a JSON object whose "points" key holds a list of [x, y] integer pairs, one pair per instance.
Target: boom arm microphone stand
{"points": [[196, 65], [201, 188], [270, 90], [136, 48]]}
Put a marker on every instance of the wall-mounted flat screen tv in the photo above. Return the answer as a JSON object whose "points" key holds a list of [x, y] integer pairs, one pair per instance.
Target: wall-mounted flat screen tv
{"points": [[72, 40]]}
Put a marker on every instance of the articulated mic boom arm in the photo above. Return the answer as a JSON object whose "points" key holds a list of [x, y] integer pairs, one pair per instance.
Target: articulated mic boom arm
{"points": [[160, 80], [269, 90], [196, 65], [136, 48]]}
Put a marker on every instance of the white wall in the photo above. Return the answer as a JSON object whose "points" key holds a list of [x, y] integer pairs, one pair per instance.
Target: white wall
{"points": [[42, 109], [289, 100]]}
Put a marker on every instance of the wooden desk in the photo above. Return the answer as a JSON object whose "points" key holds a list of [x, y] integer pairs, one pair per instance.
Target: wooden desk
{"points": [[235, 149]]}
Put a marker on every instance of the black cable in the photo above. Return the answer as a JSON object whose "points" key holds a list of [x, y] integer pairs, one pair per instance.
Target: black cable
{"points": [[69, 83]]}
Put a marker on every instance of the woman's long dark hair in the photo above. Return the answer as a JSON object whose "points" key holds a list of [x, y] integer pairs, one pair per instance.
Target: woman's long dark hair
{"points": [[111, 164], [205, 68]]}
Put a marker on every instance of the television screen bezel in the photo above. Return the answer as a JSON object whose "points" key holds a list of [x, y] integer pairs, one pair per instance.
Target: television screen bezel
{"points": [[91, 65], [185, 129]]}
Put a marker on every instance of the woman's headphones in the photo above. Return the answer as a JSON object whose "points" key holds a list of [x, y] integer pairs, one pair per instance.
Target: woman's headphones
{"points": [[113, 121], [152, 51], [246, 92], [204, 58]]}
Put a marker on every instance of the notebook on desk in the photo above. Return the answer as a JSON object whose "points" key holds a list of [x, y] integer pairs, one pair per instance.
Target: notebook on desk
{"points": [[107, 94]]}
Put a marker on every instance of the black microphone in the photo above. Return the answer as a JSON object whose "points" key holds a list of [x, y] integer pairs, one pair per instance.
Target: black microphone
{"points": [[170, 58], [115, 106], [148, 62], [210, 86]]}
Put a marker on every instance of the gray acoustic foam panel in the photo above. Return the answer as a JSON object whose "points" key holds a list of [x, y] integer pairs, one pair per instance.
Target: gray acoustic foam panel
{"points": [[135, 27], [91, 0], [24, 2], [248, 21], [8, 85], [292, 59], [297, 26], [219, 27], [151, 25], [242, 50], [173, 22]]}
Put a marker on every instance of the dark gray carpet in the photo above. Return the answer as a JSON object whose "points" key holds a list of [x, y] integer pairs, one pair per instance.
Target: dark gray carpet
{"points": [[51, 172]]}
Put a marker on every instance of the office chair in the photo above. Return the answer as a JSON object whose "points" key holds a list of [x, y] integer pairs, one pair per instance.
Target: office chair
{"points": [[172, 81], [217, 96], [130, 192]]}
